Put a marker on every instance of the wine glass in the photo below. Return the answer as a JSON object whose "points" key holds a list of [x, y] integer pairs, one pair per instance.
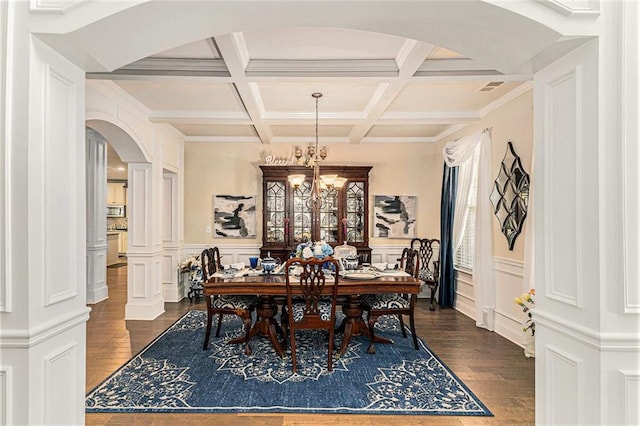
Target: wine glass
{"points": [[253, 261]]}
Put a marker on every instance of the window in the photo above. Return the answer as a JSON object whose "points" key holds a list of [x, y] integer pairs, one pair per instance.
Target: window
{"points": [[463, 255]]}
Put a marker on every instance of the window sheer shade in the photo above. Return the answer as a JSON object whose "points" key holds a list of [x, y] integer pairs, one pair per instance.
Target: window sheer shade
{"points": [[463, 256], [456, 153]]}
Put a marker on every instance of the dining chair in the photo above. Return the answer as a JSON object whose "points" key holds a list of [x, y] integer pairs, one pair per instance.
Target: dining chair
{"points": [[239, 305], [376, 305], [429, 254], [311, 301]]}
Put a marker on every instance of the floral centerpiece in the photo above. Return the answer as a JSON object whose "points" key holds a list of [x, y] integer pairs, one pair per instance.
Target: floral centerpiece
{"points": [[319, 249], [527, 302], [193, 267]]}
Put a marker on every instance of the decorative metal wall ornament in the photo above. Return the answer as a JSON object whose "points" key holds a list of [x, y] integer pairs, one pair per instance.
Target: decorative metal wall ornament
{"points": [[510, 195]]}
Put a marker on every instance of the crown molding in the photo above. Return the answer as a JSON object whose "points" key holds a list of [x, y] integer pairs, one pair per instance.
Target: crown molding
{"points": [[574, 8]]}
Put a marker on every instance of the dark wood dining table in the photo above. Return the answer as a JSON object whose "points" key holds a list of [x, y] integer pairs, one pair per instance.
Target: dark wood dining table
{"points": [[268, 287]]}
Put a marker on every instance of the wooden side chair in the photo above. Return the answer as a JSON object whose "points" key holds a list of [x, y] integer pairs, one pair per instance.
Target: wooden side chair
{"points": [[429, 253], [376, 305], [311, 301], [241, 306]]}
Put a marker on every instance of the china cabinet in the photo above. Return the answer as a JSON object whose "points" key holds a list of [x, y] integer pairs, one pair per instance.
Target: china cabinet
{"points": [[290, 217]]}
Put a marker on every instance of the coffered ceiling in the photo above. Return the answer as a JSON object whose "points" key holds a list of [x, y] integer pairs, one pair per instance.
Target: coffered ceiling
{"points": [[256, 86]]}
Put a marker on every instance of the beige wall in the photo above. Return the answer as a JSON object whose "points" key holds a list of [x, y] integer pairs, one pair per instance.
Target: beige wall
{"points": [[232, 168], [398, 169], [511, 122]]}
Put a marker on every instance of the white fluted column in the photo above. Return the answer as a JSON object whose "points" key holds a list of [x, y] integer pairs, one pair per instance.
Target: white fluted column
{"points": [[96, 173]]}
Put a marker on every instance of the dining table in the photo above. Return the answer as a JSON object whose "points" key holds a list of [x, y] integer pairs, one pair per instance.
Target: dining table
{"points": [[271, 287]]}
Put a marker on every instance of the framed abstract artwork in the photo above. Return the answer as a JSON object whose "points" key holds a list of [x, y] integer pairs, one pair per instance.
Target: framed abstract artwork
{"points": [[234, 216], [394, 216]]}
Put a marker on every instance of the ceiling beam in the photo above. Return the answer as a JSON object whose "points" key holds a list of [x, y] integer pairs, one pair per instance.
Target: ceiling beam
{"points": [[322, 68], [233, 50], [409, 59]]}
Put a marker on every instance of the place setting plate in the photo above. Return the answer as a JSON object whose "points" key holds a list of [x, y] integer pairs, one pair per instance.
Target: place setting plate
{"points": [[357, 275]]}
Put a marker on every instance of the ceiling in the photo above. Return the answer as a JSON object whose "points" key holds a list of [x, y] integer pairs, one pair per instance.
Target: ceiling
{"points": [[256, 86]]}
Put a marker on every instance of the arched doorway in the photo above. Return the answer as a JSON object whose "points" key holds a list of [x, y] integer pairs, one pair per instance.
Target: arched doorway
{"points": [[105, 44], [99, 133]]}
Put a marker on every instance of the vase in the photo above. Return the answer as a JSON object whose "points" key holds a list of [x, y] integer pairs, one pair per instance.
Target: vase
{"points": [[529, 346]]}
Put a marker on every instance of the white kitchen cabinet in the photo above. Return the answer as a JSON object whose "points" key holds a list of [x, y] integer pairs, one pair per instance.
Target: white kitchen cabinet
{"points": [[116, 193], [112, 248], [123, 241]]}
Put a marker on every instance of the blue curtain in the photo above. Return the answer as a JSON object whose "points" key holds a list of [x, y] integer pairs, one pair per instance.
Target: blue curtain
{"points": [[447, 294]]}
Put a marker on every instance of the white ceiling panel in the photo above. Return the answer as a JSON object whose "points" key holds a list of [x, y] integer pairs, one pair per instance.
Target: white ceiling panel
{"points": [[309, 132], [256, 86], [295, 97], [442, 96], [192, 95]]}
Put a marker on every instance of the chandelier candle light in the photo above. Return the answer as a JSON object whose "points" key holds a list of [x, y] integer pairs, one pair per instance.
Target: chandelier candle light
{"points": [[314, 156]]}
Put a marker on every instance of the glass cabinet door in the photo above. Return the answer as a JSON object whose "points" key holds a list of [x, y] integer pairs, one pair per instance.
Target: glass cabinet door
{"points": [[329, 229], [302, 214], [275, 212], [355, 212]]}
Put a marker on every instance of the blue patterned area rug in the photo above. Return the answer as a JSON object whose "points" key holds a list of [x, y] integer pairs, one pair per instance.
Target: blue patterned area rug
{"points": [[174, 374]]}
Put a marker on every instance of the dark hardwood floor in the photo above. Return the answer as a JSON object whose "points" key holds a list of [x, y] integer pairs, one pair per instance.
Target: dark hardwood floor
{"points": [[495, 369]]}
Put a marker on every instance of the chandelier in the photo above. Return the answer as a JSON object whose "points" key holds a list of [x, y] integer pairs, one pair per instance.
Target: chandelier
{"points": [[314, 156]]}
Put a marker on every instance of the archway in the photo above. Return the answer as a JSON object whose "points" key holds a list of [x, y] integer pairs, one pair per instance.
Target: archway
{"points": [[99, 133], [103, 42]]}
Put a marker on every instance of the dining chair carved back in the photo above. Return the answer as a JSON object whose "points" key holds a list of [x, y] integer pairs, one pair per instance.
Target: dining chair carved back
{"points": [[241, 306], [429, 253], [376, 305], [311, 301]]}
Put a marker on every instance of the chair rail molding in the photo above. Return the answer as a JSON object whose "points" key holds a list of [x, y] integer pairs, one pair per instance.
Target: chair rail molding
{"points": [[509, 266], [44, 332]]}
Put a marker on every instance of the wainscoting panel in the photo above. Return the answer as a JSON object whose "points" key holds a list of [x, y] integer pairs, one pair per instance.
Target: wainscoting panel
{"points": [[137, 287], [629, 91], [169, 206], [562, 272], [139, 178], [631, 392], [508, 317], [5, 395], [97, 289], [5, 177], [170, 282], [60, 248], [60, 369], [228, 253], [465, 300], [563, 391], [145, 300]]}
